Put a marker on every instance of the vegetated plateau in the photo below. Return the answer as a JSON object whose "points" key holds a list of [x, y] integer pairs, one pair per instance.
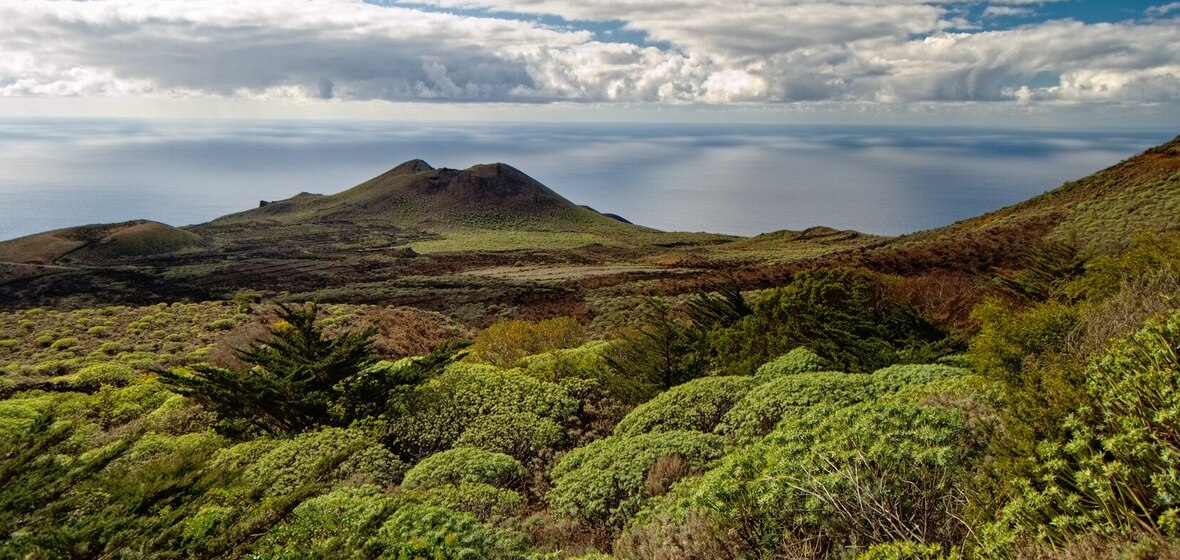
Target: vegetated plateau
{"points": [[447, 363]]}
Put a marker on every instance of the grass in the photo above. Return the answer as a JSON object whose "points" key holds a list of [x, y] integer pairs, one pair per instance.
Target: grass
{"points": [[509, 240]]}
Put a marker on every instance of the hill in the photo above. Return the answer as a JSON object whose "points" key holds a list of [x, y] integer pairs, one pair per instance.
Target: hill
{"points": [[415, 195], [98, 242], [1098, 214], [453, 239]]}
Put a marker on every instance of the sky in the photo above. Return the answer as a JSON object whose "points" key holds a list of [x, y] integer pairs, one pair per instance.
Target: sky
{"points": [[1074, 63]]}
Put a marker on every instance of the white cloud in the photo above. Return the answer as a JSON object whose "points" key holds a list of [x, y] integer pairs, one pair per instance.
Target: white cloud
{"points": [[701, 51], [1006, 11], [1158, 11]]}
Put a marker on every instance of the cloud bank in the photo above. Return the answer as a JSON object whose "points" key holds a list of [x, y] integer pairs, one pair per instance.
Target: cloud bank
{"points": [[693, 51]]}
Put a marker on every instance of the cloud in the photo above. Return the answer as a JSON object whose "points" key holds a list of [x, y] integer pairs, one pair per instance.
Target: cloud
{"points": [[697, 51], [1006, 11], [1158, 11]]}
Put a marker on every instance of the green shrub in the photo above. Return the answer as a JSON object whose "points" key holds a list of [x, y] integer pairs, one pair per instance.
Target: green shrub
{"points": [[607, 481], [764, 406], [505, 343], [221, 325], [697, 405], [521, 435], [465, 464], [99, 330], [799, 360], [114, 406], [1025, 351], [845, 315], [105, 374], [905, 550], [835, 478], [440, 410], [334, 455], [892, 378], [483, 501], [1118, 474], [333, 525], [586, 362], [419, 531]]}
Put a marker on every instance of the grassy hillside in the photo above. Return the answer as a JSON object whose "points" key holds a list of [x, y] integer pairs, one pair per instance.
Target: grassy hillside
{"points": [[99, 242], [1098, 214]]}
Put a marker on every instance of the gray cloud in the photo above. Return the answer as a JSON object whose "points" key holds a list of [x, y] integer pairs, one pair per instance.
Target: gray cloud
{"points": [[710, 51]]}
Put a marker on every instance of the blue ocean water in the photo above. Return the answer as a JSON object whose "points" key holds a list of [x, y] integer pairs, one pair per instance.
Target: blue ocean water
{"points": [[740, 179]]}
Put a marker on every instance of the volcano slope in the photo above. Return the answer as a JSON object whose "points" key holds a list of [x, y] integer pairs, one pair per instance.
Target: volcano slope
{"points": [[463, 240], [408, 236]]}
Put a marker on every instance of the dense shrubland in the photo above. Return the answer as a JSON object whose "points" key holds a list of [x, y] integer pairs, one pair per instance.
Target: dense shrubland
{"points": [[828, 418]]}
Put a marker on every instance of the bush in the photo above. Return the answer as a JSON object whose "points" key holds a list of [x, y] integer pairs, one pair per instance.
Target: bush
{"points": [[869, 473], [505, 343], [845, 315], [904, 550], [606, 481], [64, 343], [105, 374], [331, 525], [697, 405], [766, 405], [442, 409], [1025, 351], [465, 464], [522, 435], [419, 531], [332, 455], [483, 501], [799, 360], [1117, 475], [893, 378]]}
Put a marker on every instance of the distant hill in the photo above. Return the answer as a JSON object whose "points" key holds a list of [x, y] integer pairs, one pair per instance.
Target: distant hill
{"points": [[415, 195], [99, 241]]}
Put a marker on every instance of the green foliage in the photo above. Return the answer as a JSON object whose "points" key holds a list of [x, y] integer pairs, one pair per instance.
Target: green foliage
{"points": [[522, 435], [105, 374], [1025, 351], [292, 381], [856, 476], [332, 525], [383, 387], [606, 482], [485, 502], [893, 378], [465, 464], [905, 550], [418, 531], [845, 315], [346, 454], [661, 351], [1118, 474], [697, 405], [439, 411], [799, 360], [505, 343], [766, 405]]}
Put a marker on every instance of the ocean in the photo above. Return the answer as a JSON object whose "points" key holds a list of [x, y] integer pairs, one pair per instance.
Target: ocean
{"points": [[723, 178]]}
